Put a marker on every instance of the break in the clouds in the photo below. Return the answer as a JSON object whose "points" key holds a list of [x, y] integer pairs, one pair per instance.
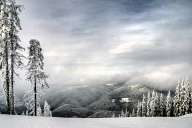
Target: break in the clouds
{"points": [[95, 41]]}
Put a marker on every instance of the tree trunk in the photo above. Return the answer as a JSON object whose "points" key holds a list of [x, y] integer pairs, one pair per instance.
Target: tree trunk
{"points": [[12, 81], [7, 82], [35, 96], [12, 70]]}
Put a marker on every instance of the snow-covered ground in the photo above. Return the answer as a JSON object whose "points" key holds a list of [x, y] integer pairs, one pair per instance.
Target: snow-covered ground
{"points": [[42, 122]]}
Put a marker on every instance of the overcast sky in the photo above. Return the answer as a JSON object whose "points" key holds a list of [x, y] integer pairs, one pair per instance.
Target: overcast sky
{"points": [[141, 41]]}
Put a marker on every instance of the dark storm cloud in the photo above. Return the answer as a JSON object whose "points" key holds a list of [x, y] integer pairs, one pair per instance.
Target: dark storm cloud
{"points": [[86, 40]]}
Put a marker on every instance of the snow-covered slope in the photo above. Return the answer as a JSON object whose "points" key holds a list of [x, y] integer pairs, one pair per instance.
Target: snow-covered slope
{"points": [[187, 115], [86, 101], [91, 99], [42, 122]]}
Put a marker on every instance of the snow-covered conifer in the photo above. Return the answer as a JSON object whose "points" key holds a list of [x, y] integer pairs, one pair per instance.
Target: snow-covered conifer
{"points": [[113, 115], [148, 104], [157, 105], [187, 103], [10, 58], [47, 111], [168, 104], [183, 92], [39, 111], [29, 100], [122, 113], [144, 106], [152, 104], [177, 99], [23, 113], [189, 99], [162, 105], [36, 74], [5, 50], [139, 109], [15, 47], [27, 113], [133, 114]]}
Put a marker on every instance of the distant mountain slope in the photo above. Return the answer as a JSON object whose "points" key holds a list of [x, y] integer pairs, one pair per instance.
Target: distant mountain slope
{"points": [[84, 101], [87, 101]]}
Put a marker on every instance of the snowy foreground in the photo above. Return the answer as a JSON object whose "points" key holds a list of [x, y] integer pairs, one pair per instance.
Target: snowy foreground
{"points": [[135, 122]]}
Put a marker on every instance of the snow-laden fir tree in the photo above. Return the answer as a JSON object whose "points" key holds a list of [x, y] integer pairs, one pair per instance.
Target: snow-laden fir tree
{"points": [[36, 74], [47, 111], [157, 105], [29, 100], [113, 115], [177, 99], [122, 113], [144, 106], [162, 105], [27, 113], [148, 104], [126, 111], [15, 55], [133, 114], [169, 104], [186, 104], [152, 104], [39, 111], [5, 50], [183, 98], [139, 109], [9, 47], [23, 113], [183, 91], [188, 98]]}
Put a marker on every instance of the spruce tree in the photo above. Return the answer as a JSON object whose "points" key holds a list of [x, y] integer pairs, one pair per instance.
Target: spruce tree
{"points": [[177, 99], [29, 100], [47, 111], [169, 104], [133, 114], [39, 111], [152, 104], [139, 109], [16, 57], [182, 107], [36, 74], [144, 106], [148, 104], [189, 108], [122, 113], [162, 105], [187, 104], [113, 115], [5, 53], [27, 113], [157, 104], [9, 47]]}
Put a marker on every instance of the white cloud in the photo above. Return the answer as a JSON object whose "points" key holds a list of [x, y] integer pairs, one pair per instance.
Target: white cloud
{"points": [[103, 39]]}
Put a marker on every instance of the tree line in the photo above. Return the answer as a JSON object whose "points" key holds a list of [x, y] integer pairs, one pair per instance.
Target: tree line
{"points": [[12, 58], [156, 104]]}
